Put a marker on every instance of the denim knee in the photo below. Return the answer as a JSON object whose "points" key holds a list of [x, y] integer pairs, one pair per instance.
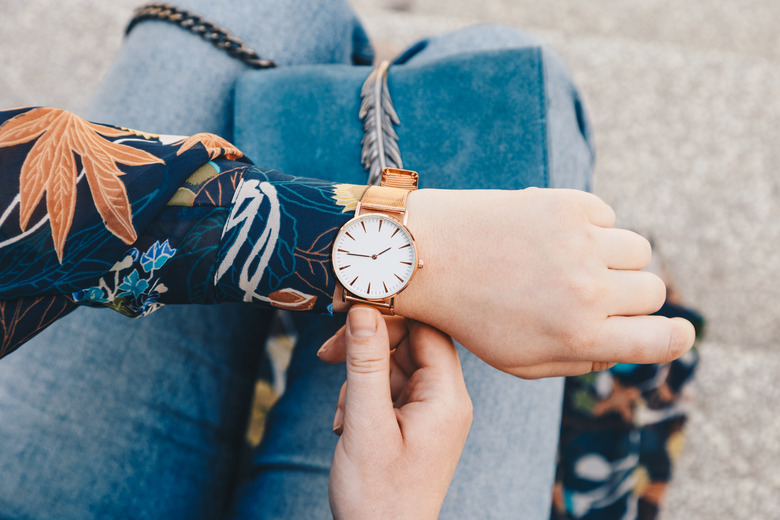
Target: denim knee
{"points": [[168, 80]]}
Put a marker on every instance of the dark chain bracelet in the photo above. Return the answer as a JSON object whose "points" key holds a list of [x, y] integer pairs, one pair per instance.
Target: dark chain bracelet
{"points": [[206, 29]]}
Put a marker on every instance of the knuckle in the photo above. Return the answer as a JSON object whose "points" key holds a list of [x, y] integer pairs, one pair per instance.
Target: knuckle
{"points": [[365, 364], [583, 241], [585, 290], [554, 204], [560, 205], [457, 412], [581, 340], [677, 344], [671, 347], [590, 338]]}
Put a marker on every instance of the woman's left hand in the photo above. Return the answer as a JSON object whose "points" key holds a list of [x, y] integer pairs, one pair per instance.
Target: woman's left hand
{"points": [[403, 418]]}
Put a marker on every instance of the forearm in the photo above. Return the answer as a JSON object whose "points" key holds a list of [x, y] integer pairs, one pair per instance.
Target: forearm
{"points": [[252, 235]]}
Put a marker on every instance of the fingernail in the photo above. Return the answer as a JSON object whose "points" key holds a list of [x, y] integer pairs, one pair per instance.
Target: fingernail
{"points": [[362, 322], [325, 346], [338, 422]]}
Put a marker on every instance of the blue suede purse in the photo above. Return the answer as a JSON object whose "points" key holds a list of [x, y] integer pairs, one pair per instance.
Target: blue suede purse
{"points": [[484, 111]]}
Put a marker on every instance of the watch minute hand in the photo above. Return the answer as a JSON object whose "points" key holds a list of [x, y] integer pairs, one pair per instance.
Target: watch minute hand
{"points": [[383, 252]]}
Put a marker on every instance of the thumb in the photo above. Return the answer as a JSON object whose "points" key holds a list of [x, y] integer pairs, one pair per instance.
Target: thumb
{"points": [[368, 367]]}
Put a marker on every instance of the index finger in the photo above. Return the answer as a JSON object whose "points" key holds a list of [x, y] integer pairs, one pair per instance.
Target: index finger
{"points": [[642, 339], [433, 350]]}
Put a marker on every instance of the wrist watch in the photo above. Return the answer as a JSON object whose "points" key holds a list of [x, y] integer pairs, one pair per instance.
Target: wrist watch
{"points": [[375, 256]]}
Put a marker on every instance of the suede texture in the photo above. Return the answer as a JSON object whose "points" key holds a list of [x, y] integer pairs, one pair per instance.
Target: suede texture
{"points": [[478, 115]]}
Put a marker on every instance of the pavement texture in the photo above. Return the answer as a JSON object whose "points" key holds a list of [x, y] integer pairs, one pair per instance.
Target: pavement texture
{"points": [[682, 96]]}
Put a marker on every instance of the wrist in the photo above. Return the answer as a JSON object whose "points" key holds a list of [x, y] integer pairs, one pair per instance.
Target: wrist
{"points": [[451, 229], [429, 234]]}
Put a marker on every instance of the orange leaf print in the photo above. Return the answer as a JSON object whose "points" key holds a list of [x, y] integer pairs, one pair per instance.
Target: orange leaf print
{"points": [[292, 299], [33, 176], [215, 145], [25, 127], [61, 193], [110, 198], [50, 168]]}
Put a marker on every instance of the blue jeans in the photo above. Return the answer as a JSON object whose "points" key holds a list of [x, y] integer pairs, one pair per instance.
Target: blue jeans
{"points": [[106, 417]]}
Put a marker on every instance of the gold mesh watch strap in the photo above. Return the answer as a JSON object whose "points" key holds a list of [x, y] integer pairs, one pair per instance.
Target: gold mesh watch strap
{"points": [[390, 197], [404, 179], [385, 307]]}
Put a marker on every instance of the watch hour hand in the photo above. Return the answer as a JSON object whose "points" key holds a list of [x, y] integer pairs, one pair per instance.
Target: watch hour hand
{"points": [[383, 252]]}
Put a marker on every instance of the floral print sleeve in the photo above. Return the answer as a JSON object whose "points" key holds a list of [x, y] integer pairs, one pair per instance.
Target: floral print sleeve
{"points": [[100, 215]]}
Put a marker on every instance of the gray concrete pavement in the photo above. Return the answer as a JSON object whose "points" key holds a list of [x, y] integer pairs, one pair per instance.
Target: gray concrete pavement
{"points": [[683, 97]]}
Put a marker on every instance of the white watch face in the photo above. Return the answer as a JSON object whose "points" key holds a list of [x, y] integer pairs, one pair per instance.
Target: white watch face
{"points": [[374, 256]]}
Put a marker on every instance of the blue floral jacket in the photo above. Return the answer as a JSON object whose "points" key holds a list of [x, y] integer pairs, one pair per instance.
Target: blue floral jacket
{"points": [[106, 216]]}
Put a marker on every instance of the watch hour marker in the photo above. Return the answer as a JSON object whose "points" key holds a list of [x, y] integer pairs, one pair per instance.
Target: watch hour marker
{"points": [[343, 251], [369, 288], [407, 263], [385, 286], [380, 224], [353, 281], [350, 236], [407, 245], [401, 279], [362, 223], [340, 268], [394, 232]]}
